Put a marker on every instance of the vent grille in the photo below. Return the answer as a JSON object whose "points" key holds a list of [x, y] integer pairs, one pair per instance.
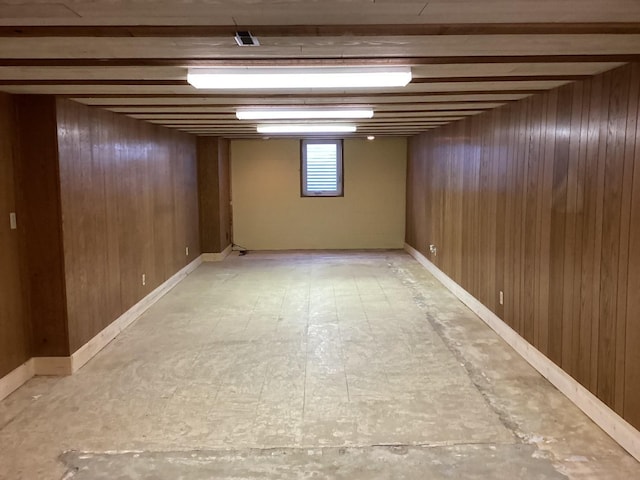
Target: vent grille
{"points": [[245, 39]]}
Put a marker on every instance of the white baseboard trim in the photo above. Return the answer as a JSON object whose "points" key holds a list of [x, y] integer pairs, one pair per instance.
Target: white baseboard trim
{"points": [[62, 366], [217, 257], [612, 423], [16, 378], [52, 366], [102, 339]]}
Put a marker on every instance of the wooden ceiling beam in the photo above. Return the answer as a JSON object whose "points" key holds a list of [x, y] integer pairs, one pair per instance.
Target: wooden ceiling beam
{"points": [[328, 61], [595, 28], [500, 78], [182, 83], [232, 107], [403, 121], [274, 96], [95, 82], [150, 113], [310, 102]]}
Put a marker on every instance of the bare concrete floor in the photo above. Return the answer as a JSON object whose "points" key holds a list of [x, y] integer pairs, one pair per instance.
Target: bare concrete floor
{"points": [[304, 365]]}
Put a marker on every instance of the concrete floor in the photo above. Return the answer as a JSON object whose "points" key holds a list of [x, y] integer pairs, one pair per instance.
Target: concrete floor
{"points": [[304, 365]]}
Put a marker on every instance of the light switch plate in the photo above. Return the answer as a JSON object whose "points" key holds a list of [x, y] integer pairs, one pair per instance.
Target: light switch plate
{"points": [[12, 221]]}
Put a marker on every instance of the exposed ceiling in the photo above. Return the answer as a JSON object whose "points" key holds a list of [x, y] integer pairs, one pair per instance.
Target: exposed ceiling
{"points": [[467, 56]]}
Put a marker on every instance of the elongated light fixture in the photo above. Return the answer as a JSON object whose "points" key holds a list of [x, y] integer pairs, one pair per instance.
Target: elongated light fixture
{"points": [[298, 77], [279, 114], [307, 128]]}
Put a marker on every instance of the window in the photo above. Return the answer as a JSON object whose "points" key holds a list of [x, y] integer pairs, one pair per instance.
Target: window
{"points": [[321, 169]]}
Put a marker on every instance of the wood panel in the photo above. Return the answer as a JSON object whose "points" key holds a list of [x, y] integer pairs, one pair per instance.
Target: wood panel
{"points": [[213, 31], [214, 194], [14, 339], [632, 331], [208, 194], [220, 48], [540, 199], [41, 218], [224, 187], [128, 196]]}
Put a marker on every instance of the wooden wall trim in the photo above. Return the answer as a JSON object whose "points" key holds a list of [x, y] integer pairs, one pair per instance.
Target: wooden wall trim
{"points": [[16, 378], [208, 194], [52, 366], [15, 331], [217, 257], [612, 423]]}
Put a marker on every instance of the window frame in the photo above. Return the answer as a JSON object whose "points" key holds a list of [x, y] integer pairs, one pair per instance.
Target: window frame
{"points": [[340, 167]]}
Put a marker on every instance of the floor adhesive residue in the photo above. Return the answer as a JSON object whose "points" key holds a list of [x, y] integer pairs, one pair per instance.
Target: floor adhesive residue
{"points": [[336, 365]]}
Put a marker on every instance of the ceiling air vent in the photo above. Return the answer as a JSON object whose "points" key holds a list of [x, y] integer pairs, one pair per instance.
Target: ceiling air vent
{"points": [[245, 39]]}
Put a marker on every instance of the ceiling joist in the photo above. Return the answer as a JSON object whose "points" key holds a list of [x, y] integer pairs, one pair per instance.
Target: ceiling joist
{"points": [[466, 56]]}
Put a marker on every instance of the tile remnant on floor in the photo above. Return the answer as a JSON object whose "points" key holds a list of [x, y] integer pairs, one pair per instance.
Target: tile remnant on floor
{"points": [[471, 462], [360, 357]]}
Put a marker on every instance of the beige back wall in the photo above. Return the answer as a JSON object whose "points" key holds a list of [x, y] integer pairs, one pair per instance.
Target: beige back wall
{"points": [[270, 214]]}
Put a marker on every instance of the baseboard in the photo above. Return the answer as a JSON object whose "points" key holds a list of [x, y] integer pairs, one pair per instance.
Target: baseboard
{"points": [[16, 378], [217, 257], [102, 339], [612, 423], [61, 366], [52, 366]]}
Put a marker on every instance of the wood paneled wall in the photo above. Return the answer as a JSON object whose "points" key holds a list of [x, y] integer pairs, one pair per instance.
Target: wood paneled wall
{"points": [[101, 199], [14, 340], [541, 200], [208, 199], [41, 223], [214, 194], [130, 207], [224, 192]]}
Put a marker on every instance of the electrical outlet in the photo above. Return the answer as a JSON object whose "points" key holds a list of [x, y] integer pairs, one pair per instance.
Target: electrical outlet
{"points": [[433, 250], [144, 279], [186, 250], [12, 221], [501, 297]]}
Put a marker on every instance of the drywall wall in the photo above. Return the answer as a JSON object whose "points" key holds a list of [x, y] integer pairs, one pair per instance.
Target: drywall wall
{"points": [[270, 214]]}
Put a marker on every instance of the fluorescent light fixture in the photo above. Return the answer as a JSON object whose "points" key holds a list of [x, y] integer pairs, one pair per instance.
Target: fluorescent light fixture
{"points": [[277, 114], [307, 128], [298, 77]]}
